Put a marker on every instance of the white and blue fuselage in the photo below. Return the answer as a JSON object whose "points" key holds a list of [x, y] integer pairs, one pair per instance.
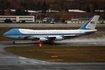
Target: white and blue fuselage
{"points": [[45, 35], [21, 34]]}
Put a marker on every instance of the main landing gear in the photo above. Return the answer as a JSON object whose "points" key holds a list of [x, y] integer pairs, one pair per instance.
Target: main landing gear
{"points": [[50, 42], [13, 41]]}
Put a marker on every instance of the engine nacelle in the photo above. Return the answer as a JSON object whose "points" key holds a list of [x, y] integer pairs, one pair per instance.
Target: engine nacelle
{"points": [[42, 39], [58, 38]]}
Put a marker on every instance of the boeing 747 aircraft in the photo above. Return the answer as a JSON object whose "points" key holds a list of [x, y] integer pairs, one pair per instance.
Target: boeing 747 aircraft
{"points": [[52, 35]]}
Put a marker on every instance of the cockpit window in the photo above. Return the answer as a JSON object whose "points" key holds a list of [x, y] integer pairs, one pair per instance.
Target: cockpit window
{"points": [[11, 30]]}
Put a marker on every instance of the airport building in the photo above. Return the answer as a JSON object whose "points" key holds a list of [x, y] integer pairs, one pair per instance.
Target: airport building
{"points": [[18, 18], [82, 21], [79, 17]]}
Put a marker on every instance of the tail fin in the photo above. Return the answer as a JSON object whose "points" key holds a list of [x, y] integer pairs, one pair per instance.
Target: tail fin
{"points": [[91, 24]]}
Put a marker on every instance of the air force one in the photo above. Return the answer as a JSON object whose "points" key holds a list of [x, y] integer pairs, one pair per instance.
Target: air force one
{"points": [[52, 35]]}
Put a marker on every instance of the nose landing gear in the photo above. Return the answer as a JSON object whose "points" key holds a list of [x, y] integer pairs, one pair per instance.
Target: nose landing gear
{"points": [[13, 41]]}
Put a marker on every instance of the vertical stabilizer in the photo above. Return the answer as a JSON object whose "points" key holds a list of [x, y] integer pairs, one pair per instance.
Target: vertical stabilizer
{"points": [[91, 24]]}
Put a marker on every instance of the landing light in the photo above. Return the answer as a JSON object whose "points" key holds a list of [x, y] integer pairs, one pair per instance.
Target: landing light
{"points": [[40, 44]]}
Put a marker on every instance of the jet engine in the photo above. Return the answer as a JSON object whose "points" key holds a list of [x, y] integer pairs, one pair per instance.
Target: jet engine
{"points": [[58, 38], [42, 39]]}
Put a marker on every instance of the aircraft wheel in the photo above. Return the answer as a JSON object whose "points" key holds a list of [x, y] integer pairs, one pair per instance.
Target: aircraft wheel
{"points": [[13, 42]]}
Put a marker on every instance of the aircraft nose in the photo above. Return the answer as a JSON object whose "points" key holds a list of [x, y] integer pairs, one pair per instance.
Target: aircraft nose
{"points": [[5, 34]]}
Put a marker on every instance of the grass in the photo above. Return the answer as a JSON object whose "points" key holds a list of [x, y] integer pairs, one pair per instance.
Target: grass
{"points": [[68, 54], [5, 29]]}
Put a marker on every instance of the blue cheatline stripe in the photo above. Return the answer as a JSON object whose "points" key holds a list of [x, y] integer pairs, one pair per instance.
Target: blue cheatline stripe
{"points": [[52, 34], [49, 34], [84, 26]]}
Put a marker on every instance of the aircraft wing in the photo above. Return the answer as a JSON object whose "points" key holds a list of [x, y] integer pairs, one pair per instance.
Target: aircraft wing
{"points": [[38, 38], [49, 37]]}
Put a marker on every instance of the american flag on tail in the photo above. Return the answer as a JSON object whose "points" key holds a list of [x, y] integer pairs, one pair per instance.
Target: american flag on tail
{"points": [[92, 22]]}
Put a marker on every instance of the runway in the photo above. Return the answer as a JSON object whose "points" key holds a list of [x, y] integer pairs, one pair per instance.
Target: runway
{"points": [[12, 62], [56, 43], [80, 41]]}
